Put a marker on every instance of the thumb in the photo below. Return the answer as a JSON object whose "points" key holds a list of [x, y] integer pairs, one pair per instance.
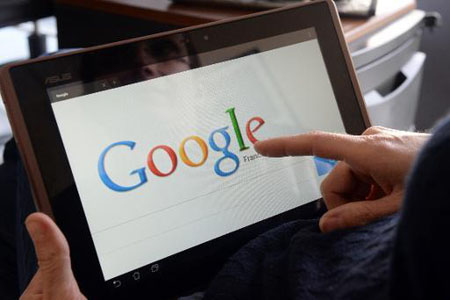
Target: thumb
{"points": [[53, 255], [360, 213]]}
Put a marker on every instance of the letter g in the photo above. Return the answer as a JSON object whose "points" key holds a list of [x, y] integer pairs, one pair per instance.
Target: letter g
{"points": [[225, 150], [107, 180]]}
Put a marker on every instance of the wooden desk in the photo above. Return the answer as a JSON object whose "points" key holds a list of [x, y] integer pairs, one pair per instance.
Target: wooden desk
{"points": [[131, 18]]}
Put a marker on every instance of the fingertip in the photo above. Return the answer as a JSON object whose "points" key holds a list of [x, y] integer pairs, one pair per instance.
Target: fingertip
{"points": [[44, 231], [36, 225], [330, 222], [38, 217], [323, 225], [259, 147], [273, 147]]}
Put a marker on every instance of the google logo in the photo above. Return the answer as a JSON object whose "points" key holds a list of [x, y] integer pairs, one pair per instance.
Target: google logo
{"points": [[253, 125]]}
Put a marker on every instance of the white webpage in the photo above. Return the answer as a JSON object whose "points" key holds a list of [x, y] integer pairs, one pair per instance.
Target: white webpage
{"points": [[188, 203]]}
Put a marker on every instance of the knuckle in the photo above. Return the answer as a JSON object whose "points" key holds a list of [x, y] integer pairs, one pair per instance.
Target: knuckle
{"points": [[376, 139], [53, 260], [324, 189], [315, 135], [315, 132], [325, 186], [385, 141], [374, 130], [367, 214], [54, 266]]}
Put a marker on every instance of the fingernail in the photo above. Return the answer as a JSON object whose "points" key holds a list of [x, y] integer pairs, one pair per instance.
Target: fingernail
{"points": [[258, 149], [256, 146], [331, 223], [35, 230]]}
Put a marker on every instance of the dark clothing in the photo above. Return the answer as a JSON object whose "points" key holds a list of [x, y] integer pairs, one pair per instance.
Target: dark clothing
{"points": [[295, 260], [17, 257], [8, 257], [421, 259]]}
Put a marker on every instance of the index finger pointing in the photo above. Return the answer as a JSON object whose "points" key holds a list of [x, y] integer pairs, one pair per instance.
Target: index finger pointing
{"points": [[323, 144]]}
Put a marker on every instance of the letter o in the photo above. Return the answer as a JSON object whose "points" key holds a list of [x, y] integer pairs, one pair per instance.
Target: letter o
{"points": [[151, 163], [184, 156]]}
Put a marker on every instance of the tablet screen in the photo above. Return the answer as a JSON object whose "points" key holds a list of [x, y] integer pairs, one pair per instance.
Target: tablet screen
{"points": [[163, 156]]}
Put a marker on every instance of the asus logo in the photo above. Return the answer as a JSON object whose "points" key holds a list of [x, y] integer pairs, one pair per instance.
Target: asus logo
{"points": [[58, 78]]}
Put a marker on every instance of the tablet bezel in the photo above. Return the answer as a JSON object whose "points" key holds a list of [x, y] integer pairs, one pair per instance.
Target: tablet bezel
{"points": [[24, 92]]}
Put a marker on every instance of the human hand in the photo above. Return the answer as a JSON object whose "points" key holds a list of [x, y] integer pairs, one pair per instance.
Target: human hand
{"points": [[54, 278], [367, 183]]}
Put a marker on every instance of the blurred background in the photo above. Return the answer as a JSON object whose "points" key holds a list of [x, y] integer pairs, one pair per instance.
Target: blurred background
{"points": [[30, 27], [19, 19], [435, 96]]}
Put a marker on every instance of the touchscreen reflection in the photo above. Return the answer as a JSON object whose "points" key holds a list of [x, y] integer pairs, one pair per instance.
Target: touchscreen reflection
{"points": [[168, 56]]}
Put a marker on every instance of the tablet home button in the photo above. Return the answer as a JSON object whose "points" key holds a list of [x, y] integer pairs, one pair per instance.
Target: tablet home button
{"points": [[154, 268], [136, 276]]}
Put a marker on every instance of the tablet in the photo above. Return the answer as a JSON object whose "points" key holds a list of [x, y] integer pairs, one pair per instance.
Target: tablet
{"points": [[142, 151]]}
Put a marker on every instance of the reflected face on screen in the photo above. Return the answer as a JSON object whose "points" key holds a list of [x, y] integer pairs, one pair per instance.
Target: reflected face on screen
{"points": [[168, 54]]}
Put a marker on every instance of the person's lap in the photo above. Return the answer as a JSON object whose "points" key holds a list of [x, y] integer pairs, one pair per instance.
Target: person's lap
{"points": [[297, 261]]}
